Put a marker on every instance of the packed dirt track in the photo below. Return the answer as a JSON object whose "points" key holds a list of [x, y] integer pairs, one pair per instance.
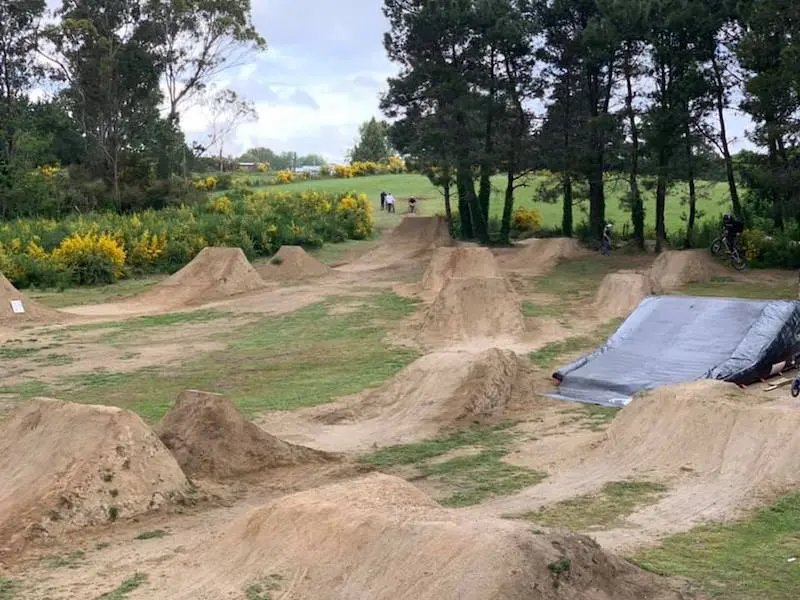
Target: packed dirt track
{"points": [[292, 263], [379, 537]]}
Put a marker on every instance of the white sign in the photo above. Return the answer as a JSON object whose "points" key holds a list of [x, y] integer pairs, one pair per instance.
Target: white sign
{"points": [[17, 307]]}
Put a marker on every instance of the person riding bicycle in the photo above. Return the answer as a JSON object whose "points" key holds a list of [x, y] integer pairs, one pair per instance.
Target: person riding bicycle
{"points": [[412, 205], [607, 231], [732, 227]]}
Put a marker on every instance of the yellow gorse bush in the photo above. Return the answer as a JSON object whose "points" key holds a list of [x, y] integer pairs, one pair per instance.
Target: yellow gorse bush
{"points": [[148, 249], [752, 242], [221, 205], [526, 220], [284, 176], [77, 249], [205, 183], [263, 167], [49, 171]]}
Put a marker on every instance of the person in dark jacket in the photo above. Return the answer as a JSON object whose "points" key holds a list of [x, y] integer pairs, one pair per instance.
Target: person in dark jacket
{"points": [[383, 200], [732, 227]]}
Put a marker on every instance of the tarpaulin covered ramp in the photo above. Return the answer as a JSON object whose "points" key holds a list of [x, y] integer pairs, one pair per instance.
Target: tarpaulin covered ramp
{"points": [[674, 339]]}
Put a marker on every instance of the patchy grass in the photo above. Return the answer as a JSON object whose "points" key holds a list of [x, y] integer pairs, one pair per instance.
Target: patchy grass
{"points": [[465, 480], [332, 254], [728, 287], [737, 561], [151, 535], [54, 360], [305, 358], [119, 330], [533, 309], [603, 510], [126, 587], [595, 417], [71, 560], [14, 352], [551, 354], [92, 294], [262, 589], [8, 589]]}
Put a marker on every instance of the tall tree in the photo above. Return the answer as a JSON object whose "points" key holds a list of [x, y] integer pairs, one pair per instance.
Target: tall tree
{"points": [[227, 112], [373, 142]]}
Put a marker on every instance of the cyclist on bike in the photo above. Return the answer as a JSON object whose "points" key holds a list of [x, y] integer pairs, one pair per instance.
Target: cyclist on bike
{"points": [[732, 227]]}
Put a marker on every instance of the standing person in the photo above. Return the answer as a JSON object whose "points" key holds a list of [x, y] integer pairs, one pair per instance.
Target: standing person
{"points": [[412, 205], [383, 200], [606, 248], [389, 203]]}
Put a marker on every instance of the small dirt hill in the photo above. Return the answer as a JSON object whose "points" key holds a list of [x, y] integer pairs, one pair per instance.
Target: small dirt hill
{"points": [[474, 307], [65, 466], [214, 274], [413, 239], [448, 263], [379, 537], [210, 438], [675, 268], [34, 312], [292, 263], [538, 256], [620, 293]]}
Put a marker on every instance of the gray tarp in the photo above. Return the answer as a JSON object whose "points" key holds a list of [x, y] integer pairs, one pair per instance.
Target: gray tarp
{"points": [[673, 339]]}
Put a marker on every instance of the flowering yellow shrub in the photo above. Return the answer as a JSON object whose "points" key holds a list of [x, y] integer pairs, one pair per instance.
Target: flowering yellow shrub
{"points": [[49, 171], [221, 205], [396, 164], [148, 249], [526, 220], [94, 258], [284, 176], [206, 183], [344, 171], [34, 250], [262, 167], [752, 242]]}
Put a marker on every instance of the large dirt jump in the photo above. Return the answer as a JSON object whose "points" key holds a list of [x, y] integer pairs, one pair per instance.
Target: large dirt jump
{"points": [[721, 450], [210, 438], [438, 392], [674, 269], [457, 263], [413, 239], [469, 308], [33, 312], [537, 256], [65, 466], [379, 537], [214, 274], [292, 263], [620, 293]]}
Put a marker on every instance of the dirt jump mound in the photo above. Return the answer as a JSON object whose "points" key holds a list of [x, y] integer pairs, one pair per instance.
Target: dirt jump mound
{"points": [[474, 307], [12, 300], [458, 263], [538, 256], [413, 239], [214, 274], [292, 263], [675, 268], [65, 466], [381, 538], [620, 293], [210, 437]]}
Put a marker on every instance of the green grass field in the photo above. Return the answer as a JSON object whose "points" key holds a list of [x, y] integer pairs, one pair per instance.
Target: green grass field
{"points": [[712, 198]]}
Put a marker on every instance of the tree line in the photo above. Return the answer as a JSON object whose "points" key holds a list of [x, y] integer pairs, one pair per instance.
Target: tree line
{"points": [[583, 87], [123, 73]]}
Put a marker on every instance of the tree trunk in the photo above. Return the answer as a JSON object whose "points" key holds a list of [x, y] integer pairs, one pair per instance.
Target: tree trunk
{"points": [[467, 231], [566, 215], [508, 206], [597, 199], [485, 189], [723, 138], [637, 206], [777, 188], [661, 196], [448, 210], [479, 226], [692, 193]]}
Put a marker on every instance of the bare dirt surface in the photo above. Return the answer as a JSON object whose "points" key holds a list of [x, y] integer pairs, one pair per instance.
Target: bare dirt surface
{"points": [[674, 269], [537, 256], [292, 263], [620, 293], [34, 313], [64, 466], [210, 438]]}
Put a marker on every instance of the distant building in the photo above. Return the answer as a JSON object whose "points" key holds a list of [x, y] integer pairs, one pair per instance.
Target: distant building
{"points": [[248, 166], [312, 169]]}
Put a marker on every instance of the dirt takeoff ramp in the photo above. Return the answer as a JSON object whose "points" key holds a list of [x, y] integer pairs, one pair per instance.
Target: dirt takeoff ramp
{"points": [[379, 537], [12, 301], [676, 268], [676, 339], [292, 263], [539, 256], [620, 293], [210, 438], [457, 263], [413, 239], [65, 466]]}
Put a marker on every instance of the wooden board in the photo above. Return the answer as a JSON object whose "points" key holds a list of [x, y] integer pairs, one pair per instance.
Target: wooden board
{"points": [[774, 385]]}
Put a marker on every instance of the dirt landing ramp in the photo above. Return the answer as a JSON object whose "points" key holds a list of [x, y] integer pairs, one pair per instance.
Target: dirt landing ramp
{"points": [[292, 263], [413, 239], [378, 537], [620, 293], [210, 438], [675, 268], [539, 256], [438, 392], [65, 466], [474, 307], [457, 263], [34, 312]]}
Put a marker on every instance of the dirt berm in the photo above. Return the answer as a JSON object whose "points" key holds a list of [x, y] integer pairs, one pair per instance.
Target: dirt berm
{"points": [[379, 537], [474, 307], [620, 293], [292, 263], [458, 263], [65, 466], [214, 274], [538, 256], [34, 312], [675, 268], [210, 438]]}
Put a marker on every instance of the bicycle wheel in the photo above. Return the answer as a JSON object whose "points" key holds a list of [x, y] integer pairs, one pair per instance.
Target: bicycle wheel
{"points": [[738, 262], [796, 388], [716, 247]]}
